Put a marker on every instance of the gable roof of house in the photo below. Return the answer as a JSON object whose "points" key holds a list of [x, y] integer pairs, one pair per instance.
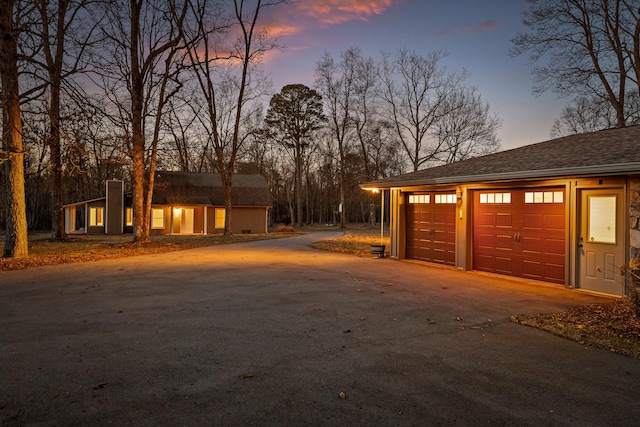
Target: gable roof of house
{"points": [[199, 188], [613, 151]]}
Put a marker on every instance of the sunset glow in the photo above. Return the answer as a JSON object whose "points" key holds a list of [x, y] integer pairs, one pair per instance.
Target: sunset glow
{"points": [[476, 37]]}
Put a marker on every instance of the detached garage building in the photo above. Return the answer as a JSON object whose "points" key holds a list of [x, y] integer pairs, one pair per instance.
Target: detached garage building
{"points": [[564, 211]]}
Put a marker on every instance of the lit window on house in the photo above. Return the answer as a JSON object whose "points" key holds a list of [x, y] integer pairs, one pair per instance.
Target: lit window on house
{"points": [[96, 217], [495, 198], [419, 198], [219, 218], [128, 220], [157, 218], [445, 198], [544, 197]]}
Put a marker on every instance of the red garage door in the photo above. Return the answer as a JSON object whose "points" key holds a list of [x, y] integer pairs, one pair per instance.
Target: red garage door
{"points": [[431, 227], [520, 232]]}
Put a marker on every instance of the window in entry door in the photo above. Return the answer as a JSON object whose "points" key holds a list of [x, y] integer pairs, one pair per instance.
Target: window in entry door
{"points": [[602, 219]]}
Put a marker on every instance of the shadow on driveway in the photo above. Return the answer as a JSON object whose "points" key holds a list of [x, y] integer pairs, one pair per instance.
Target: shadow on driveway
{"points": [[277, 333]]}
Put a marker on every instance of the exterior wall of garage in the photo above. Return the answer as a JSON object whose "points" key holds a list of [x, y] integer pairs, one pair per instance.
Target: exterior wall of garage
{"points": [[634, 217], [558, 251]]}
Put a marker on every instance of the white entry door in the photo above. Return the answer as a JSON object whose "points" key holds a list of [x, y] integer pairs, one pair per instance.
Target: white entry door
{"points": [[186, 225], [601, 241]]}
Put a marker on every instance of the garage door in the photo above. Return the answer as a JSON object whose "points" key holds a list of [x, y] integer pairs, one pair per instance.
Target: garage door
{"points": [[520, 233], [431, 227]]}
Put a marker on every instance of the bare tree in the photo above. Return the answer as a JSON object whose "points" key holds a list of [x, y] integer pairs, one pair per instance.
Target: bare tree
{"points": [[145, 38], [336, 82], [227, 76], [583, 48], [183, 137], [365, 110], [65, 31], [469, 129], [12, 154], [92, 152], [584, 114], [415, 89], [592, 113]]}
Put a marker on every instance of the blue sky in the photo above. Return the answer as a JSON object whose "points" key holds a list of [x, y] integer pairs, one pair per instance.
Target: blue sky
{"points": [[475, 33]]}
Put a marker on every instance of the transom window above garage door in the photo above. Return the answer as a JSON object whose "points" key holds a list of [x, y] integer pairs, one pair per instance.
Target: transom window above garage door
{"points": [[445, 198], [543, 197], [495, 198], [419, 198]]}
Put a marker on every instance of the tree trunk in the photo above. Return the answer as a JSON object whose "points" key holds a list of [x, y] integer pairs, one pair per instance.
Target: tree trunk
{"points": [[290, 204], [298, 188], [54, 69], [140, 230], [57, 214], [141, 220], [16, 242], [227, 185], [342, 179]]}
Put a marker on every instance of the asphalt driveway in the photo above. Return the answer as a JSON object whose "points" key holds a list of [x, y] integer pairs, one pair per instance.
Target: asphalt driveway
{"points": [[277, 333]]}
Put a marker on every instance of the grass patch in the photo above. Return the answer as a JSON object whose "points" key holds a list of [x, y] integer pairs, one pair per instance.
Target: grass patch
{"points": [[88, 247], [355, 241]]}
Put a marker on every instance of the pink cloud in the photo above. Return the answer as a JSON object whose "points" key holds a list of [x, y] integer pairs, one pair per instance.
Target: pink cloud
{"points": [[300, 15], [332, 12], [476, 28], [297, 22]]}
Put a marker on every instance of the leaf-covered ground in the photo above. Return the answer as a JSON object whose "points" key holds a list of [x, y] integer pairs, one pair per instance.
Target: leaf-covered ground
{"points": [[82, 248], [615, 326]]}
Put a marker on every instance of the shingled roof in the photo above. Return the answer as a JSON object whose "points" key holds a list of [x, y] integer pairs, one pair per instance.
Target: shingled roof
{"points": [[614, 151], [189, 188]]}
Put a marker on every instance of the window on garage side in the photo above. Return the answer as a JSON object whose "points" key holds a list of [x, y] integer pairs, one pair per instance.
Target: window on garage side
{"points": [[419, 198], [96, 217], [445, 198], [543, 197], [157, 218], [495, 198]]}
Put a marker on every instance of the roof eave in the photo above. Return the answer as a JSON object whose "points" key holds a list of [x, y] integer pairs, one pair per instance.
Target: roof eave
{"points": [[614, 169], [68, 205]]}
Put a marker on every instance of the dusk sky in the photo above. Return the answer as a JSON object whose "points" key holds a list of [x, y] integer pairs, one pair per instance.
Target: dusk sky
{"points": [[475, 33]]}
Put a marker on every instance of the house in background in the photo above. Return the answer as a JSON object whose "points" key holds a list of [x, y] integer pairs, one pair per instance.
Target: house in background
{"points": [[182, 203], [565, 211], [104, 215]]}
